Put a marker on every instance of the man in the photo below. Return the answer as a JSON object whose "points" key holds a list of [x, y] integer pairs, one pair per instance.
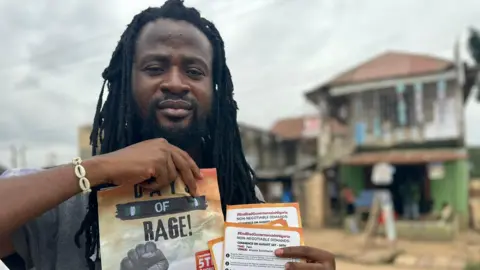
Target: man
{"points": [[411, 199], [348, 198], [169, 111]]}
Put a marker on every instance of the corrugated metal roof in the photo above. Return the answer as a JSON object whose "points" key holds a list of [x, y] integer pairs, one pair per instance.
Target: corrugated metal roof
{"points": [[405, 156], [391, 65], [292, 128]]}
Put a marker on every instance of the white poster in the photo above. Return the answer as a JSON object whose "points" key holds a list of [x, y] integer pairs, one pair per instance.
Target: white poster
{"points": [[311, 127], [3, 266], [382, 173], [436, 171]]}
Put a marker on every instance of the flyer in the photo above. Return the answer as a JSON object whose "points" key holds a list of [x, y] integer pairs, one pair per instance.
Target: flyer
{"points": [[248, 246], [216, 250], [3, 266], [168, 229], [264, 213], [216, 245]]}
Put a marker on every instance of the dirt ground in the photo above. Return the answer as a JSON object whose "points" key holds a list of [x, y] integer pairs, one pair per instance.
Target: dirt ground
{"points": [[341, 265], [337, 242]]}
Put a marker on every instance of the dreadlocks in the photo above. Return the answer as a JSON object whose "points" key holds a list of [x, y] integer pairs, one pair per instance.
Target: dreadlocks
{"points": [[115, 123]]}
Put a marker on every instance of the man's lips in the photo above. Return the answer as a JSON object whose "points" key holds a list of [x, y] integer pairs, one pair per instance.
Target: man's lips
{"points": [[175, 108]]}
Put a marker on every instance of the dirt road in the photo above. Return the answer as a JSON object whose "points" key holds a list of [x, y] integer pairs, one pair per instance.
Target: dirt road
{"points": [[348, 266]]}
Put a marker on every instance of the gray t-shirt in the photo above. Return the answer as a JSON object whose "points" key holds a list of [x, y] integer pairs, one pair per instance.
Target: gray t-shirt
{"points": [[47, 242]]}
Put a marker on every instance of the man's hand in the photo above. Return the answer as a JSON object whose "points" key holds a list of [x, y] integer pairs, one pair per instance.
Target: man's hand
{"points": [[316, 259], [153, 159], [145, 257]]}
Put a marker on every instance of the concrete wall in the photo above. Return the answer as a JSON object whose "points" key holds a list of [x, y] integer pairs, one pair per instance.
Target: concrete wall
{"points": [[453, 188], [84, 148], [313, 203]]}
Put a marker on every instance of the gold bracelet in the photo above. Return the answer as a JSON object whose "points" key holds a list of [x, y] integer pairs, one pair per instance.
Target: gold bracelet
{"points": [[81, 174]]}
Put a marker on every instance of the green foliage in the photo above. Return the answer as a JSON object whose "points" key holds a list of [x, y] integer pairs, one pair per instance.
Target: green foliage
{"points": [[472, 266], [474, 44]]}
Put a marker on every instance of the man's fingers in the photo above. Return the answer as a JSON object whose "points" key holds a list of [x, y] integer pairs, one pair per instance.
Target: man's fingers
{"points": [[161, 171], [172, 171], [183, 167], [306, 266], [193, 166], [127, 264], [308, 253]]}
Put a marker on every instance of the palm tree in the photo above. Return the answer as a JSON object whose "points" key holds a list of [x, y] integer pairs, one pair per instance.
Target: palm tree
{"points": [[474, 45]]}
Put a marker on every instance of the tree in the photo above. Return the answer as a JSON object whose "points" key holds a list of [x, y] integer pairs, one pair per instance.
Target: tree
{"points": [[474, 45]]}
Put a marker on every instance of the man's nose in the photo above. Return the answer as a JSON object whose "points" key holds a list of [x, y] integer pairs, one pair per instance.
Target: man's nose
{"points": [[174, 82]]}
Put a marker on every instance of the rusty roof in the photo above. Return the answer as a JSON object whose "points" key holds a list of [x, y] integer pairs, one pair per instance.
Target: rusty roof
{"points": [[391, 65], [292, 128], [405, 156]]}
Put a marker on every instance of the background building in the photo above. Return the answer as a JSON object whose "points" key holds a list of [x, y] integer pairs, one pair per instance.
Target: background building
{"points": [[405, 110]]}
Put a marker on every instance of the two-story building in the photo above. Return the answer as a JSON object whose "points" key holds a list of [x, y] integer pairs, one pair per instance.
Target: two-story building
{"points": [[407, 111]]}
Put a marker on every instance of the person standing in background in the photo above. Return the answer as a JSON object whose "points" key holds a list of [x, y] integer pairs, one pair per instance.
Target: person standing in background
{"points": [[348, 197], [411, 200]]}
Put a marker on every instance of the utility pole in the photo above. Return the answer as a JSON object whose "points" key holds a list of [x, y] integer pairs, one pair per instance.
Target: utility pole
{"points": [[323, 118], [51, 159], [13, 156], [324, 202], [22, 155]]}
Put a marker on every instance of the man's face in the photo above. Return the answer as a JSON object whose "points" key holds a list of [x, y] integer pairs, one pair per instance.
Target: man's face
{"points": [[172, 81]]}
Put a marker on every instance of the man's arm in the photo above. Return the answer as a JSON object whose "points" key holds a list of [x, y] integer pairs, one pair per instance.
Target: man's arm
{"points": [[24, 198], [6, 248]]}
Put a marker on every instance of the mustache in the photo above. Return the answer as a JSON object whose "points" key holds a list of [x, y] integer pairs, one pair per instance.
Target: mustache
{"points": [[185, 102]]}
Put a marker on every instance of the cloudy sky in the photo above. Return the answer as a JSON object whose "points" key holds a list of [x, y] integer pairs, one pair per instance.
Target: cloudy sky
{"points": [[52, 54]]}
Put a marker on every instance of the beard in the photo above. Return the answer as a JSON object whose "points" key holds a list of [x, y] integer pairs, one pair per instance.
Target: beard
{"points": [[184, 137]]}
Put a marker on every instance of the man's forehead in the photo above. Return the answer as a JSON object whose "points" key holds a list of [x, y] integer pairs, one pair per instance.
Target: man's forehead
{"points": [[172, 32]]}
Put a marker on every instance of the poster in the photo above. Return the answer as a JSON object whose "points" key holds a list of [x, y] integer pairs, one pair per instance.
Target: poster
{"points": [[166, 230], [436, 171], [264, 213], [382, 174], [216, 245], [249, 246]]}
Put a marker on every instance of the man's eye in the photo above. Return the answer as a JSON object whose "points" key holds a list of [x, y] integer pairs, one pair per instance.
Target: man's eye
{"points": [[194, 72], [154, 69]]}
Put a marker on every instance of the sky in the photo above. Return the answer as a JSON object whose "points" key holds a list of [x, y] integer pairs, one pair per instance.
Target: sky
{"points": [[53, 52]]}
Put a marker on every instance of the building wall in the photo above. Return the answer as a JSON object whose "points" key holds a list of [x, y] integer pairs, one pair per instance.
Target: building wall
{"points": [[84, 148], [261, 148], [353, 177], [377, 111], [453, 188]]}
